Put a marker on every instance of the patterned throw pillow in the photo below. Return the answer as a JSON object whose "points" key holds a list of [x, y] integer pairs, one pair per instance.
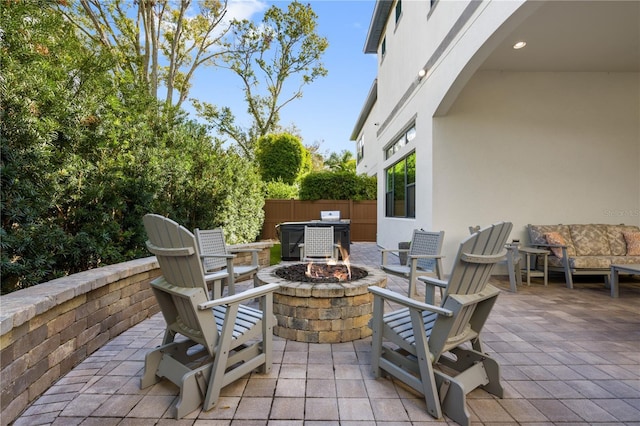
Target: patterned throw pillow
{"points": [[554, 238], [633, 243]]}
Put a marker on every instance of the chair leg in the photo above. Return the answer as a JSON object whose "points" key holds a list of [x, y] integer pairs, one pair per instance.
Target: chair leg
{"points": [[151, 363], [427, 374], [169, 336], [475, 370], [231, 285], [267, 332], [217, 374], [376, 336], [430, 294], [567, 270], [454, 399], [192, 389]]}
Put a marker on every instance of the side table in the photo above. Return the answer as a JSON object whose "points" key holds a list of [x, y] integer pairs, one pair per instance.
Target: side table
{"points": [[616, 270], [531, 252]]}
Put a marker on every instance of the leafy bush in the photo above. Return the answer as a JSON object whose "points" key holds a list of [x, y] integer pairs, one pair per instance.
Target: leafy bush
{"points": [[282, 156], [338, 186], [279, 190]]}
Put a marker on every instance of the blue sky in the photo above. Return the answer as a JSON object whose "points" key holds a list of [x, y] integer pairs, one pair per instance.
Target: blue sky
{"points": [[328, 110]]}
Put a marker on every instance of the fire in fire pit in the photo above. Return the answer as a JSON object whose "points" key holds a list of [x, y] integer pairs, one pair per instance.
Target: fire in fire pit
{"points": [[321, 273]]}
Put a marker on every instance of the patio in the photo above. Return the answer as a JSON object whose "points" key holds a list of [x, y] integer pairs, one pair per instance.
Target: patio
{"points": [[567, 356]]}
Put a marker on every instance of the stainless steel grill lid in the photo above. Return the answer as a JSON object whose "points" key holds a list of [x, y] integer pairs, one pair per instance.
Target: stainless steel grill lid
{"points": [[330, 215]]}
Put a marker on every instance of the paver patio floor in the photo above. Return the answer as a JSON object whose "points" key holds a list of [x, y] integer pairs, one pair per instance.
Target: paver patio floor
{"points": [[566, 356]]}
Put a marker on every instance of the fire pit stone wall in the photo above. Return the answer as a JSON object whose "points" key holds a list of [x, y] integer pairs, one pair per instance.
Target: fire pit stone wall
{"points": [[323, 312]]}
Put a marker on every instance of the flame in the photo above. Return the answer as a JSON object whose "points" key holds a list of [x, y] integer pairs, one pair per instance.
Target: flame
{"points": [[345, 260], [329, 269]]}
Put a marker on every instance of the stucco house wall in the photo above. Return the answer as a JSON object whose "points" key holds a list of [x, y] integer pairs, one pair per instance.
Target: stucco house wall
{"points": [[539, 148], [524, 146]]}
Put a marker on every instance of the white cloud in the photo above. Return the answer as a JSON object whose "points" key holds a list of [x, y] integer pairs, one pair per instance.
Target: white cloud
{"points": [[244, 9]]}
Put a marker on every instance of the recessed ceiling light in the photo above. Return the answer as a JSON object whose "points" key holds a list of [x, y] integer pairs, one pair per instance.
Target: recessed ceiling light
{"points": [[519, 45]]}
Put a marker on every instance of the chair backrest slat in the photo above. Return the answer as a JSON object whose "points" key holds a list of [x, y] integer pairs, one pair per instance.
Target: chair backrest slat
{"points": [[469, 294], [179, 308], [167, 240], [318, 241], [426, 243], [470, 277], [211, 242]]}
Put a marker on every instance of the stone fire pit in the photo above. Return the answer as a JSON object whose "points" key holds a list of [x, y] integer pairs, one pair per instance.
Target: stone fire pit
{"points": [[322, 312]]}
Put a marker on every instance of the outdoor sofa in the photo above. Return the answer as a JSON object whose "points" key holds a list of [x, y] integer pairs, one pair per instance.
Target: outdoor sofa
{"points": [[588, 249]]}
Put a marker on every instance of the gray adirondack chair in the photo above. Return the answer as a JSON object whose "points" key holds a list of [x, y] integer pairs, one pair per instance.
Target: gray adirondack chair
{"points": [[514, 261], [219, 340], [437, 350], [423, 258], [217, 260], [319, 244]]}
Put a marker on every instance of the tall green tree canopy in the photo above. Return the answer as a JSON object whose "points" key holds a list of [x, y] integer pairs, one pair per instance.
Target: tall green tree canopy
{"points": [[282, 157], [159, 42], [266, 57], [343, 162]]}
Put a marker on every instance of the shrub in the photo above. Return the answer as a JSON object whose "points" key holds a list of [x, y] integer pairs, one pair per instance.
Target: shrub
{"points": [[338, 186], [279, 190], [283, 157]]}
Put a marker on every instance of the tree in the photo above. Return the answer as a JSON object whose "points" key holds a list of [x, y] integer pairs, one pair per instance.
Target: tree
{"points": [[317, 159], [65, 206], [162, 45], [282, 157], [84, 156], [343, 162], [265, 57]]}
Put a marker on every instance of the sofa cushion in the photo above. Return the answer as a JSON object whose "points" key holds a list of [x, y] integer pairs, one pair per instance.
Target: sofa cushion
{"points": [[625, 260], [555, 239], [590, 240], [590, 262], [633, 243], [617, 242], [536, 235]]}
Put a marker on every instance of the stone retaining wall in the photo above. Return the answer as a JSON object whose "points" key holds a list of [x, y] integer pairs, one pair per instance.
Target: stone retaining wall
{"points": [[48, 329]]}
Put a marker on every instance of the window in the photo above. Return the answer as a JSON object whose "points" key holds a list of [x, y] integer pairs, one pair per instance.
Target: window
{"points": [[398, 10], [404, 139], [400, 189], [383, 48], [360, 149]]}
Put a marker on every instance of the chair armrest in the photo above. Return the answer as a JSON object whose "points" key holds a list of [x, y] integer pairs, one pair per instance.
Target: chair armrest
{"points": [[384, 253], [254, 254], [548, 245], [408, 302], [250, 294], [433, 281], [223, 256], [393, 250], [532, 250], [426, 256], [244, 250]]}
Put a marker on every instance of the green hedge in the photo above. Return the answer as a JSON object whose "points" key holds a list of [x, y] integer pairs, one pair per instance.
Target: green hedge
{"points": [[338, 186]]}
